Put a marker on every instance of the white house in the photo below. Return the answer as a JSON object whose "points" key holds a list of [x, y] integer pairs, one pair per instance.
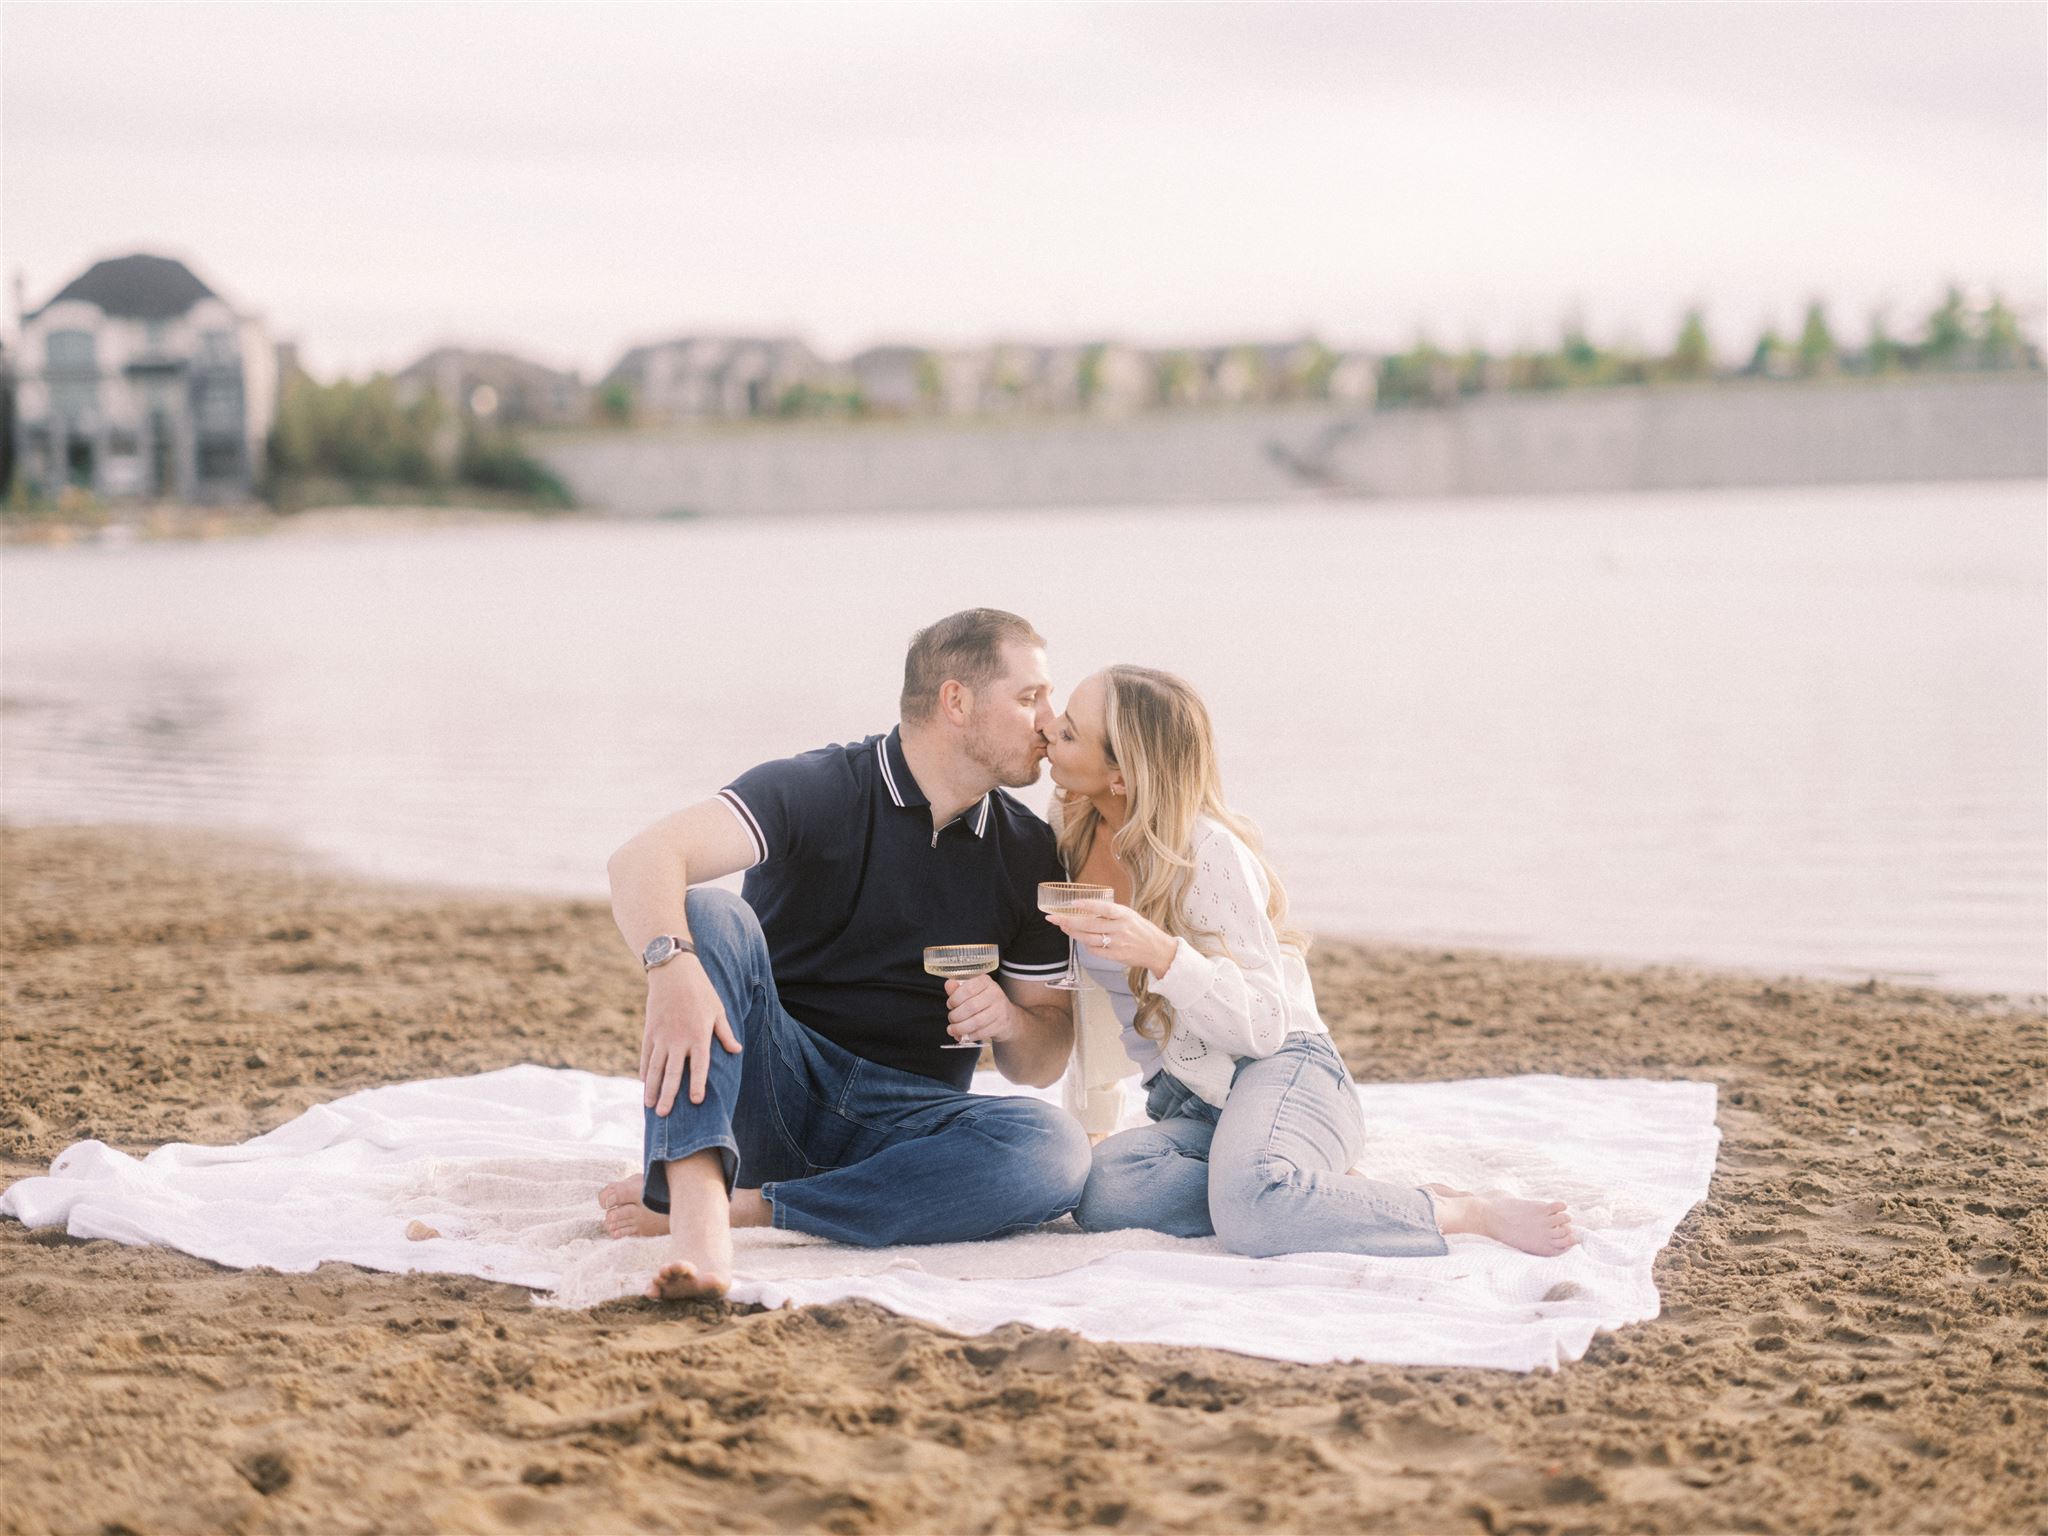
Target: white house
{"points": [[138, 380], [1355, 379], [1117, 379]]}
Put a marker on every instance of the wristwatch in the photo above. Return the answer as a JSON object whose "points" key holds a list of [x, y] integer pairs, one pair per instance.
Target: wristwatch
{"points": [[660, 951]]}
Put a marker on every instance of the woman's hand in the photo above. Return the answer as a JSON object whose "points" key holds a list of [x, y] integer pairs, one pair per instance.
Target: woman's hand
{"points": [[1117, 932]]}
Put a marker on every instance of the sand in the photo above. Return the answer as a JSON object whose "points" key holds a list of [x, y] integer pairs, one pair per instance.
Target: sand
{"points": [[1855, 1333]]}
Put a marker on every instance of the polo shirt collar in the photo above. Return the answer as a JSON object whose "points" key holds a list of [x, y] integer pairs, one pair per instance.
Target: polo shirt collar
{"points": [[901, 784]]}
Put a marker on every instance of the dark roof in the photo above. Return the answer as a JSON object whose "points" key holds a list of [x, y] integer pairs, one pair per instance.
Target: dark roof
{"points": [[429, 364], [137, 287]]}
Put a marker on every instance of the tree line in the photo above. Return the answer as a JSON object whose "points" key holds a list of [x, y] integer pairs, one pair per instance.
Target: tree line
{"points": [[1957, 336], [361, 440], [353, 441]]}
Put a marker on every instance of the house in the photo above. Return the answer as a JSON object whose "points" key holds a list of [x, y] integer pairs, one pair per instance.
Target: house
{"points": [[967, 385], [1009, 379], [1057, 378], [1116, 380], [1028, 377], [1180, 376], [1236, 375], [138, 380], [1005, 379], [496, 388], [715, 377], [1294, 370], [1355, 379], [895, 380]]}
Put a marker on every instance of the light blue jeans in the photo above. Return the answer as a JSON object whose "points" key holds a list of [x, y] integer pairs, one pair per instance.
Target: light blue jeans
{"points": [[1267, 1173]]}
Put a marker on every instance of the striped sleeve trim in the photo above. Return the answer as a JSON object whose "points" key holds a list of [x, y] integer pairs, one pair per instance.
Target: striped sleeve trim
{"points": [[1020, 971], [745, 817]]}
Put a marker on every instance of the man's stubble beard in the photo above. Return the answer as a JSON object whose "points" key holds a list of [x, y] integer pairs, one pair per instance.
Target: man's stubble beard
{"points": [[1019, 772]]}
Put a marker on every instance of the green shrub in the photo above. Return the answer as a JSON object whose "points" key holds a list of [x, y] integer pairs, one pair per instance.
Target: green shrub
{"points": [[494, 461]]}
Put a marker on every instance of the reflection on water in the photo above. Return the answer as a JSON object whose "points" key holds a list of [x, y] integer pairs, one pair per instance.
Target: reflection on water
{"points": [[1784, 730]]}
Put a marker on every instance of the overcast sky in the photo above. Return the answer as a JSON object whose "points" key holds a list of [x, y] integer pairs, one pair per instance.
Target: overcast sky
{"points": [[566, 180]]}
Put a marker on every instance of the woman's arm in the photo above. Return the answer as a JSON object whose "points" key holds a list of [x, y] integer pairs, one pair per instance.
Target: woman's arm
{"points": [[1235, 1001]]}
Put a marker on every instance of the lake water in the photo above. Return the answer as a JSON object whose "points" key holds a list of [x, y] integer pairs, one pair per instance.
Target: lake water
{"points": [[1797, 731]]}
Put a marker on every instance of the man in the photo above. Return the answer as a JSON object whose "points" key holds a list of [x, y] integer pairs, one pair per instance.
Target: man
{"points": [[822, 1095]]}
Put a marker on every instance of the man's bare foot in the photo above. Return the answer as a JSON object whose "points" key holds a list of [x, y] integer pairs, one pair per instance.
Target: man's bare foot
{"points": [[699, 1263], [1541, 1227], [750, 1208], [678, 1280]]}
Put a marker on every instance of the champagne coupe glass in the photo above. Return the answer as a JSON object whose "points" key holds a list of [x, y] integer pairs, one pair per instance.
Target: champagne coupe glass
{"points": [[1062, 896], [956, 962]]}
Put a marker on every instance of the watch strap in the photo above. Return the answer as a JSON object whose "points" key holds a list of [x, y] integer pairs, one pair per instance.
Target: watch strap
{"points": [[677, 946]]}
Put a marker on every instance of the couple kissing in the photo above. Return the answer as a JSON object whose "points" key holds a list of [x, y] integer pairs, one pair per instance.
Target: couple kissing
{"points": [[802, 1069]]}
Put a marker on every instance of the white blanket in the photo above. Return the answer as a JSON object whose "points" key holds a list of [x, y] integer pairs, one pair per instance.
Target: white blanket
{"points": [[505, 1168]]}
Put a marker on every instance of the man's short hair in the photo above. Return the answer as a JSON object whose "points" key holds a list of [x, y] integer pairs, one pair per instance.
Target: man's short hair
{"points": [[966, 647]]}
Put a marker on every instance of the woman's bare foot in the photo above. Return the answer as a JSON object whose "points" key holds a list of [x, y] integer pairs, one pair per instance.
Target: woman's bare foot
{"points": [[699, 1263], [625, 1216], [1445, 1189], [1541, 1227]]}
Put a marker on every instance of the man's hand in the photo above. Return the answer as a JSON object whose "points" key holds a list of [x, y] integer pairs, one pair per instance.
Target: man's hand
{"points": [[978, 1012], [683, 1015]]}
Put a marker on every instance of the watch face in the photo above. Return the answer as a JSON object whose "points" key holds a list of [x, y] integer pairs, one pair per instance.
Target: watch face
{"points": [[658, 950]]}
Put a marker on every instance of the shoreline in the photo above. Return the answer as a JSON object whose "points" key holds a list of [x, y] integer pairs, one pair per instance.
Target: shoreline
{"points": [[1851, 1337], [268, 848], [118, 525]]}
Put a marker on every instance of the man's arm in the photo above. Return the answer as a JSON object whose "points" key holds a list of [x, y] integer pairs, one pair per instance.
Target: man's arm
{"points": [[1030, 1024], [650, 878], [651, 874], [1038, 1053]]}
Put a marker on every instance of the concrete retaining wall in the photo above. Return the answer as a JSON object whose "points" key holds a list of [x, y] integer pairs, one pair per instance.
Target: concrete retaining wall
{"points": [[1986, 427]]}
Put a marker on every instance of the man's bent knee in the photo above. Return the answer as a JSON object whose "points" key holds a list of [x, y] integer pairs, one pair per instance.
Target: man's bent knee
{"points": [[1047, 1156], [720, 917], [726, 931], [1063, 1161]]}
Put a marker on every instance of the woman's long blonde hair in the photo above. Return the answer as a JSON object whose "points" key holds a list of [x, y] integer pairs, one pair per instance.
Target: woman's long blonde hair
{"points": [[1158, 733]]}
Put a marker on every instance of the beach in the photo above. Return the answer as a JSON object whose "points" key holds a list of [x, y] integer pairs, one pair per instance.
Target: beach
{"points": [[1854, 1334]]}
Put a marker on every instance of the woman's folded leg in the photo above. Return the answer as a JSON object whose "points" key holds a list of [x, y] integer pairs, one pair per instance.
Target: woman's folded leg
{"points": [[1289, 1130], [1156, 1176]]}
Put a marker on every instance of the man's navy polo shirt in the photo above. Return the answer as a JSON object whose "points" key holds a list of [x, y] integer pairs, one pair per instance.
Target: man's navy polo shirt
{"points": [[851, 883]]}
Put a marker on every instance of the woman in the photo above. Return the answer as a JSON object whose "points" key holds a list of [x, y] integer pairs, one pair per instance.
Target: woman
{"points": [[1255, 1122]]}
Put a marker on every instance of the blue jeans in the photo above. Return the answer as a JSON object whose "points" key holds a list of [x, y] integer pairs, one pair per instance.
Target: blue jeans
{"points": [[843, 1147], [1267, 1173]]}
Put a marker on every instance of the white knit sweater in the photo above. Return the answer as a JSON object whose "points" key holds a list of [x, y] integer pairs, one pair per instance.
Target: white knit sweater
{"points": [[1243, 998]]}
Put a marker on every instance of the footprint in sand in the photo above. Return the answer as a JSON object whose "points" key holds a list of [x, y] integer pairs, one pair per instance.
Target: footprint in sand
{"points": [[1791, 1237]]}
